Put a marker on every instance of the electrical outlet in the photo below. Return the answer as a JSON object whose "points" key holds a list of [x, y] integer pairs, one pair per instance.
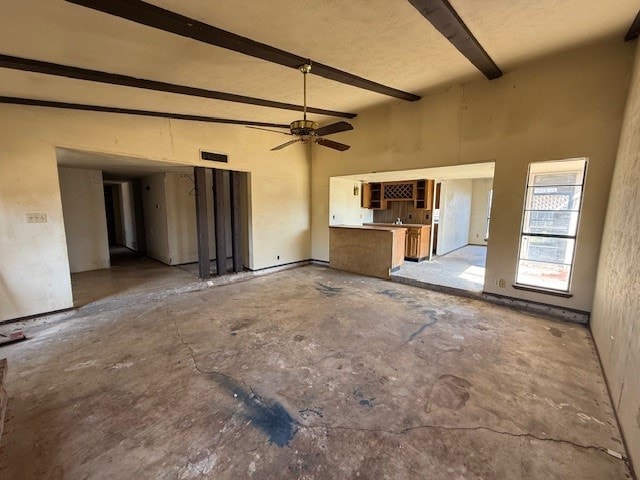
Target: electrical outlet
{"points": [[500, 282], [36, 217]]}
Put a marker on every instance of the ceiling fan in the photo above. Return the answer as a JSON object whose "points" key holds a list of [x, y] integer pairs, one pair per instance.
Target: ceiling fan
{"points": [[307, 130]]}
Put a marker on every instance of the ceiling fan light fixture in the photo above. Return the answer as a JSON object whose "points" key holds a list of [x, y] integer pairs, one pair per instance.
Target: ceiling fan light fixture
{"points": [[303, 127]]}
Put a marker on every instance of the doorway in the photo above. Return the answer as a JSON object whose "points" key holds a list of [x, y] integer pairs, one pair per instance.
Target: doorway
{"points": [[131, 225]]}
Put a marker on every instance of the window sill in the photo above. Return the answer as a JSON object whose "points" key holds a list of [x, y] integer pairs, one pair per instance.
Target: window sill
{"points": [[545, 291]]}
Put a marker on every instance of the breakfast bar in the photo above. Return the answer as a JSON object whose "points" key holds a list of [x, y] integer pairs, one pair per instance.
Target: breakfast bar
{"points": [[365, 249]]}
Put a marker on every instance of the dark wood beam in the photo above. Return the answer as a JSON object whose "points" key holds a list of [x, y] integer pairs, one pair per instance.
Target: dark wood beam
{"points": [[236, 222], [220, 221], [127, 111], [202, 222], [447, 21], [47, 68], [168, 21], [634, 30]]}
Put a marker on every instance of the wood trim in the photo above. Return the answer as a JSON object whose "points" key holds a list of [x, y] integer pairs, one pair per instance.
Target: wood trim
{"points": [[168, 21], [202, 222], [67, 71], [446, 20], [236, 222], [220, 221], [634, 29], [127, 111]]}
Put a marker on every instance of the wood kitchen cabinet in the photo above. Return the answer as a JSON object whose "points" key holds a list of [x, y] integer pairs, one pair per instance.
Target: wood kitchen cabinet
{"points": [[372, 196], [417, 239], [417, 243], [377, 195], [424, 194]]}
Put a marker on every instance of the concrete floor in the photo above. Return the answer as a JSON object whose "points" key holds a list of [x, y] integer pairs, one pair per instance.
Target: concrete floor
{"points": [[307, 374], [462, 269], [130, 274]]}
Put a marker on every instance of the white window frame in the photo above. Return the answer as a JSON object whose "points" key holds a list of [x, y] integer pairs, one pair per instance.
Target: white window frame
{"points": [[574, 237]]}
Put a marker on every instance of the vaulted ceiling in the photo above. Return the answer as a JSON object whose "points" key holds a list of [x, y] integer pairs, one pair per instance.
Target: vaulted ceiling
{"points": [[388, 42]]}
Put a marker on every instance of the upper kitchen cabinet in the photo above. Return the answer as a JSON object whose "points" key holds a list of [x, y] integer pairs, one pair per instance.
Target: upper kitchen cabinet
{"points": [[376, 196]]}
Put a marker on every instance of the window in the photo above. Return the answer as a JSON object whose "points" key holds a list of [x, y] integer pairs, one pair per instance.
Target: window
{"points": [[550, 224]]}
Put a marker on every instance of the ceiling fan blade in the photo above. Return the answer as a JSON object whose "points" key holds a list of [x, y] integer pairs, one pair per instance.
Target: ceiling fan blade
{"points": [[331, 144], [333, 128], [268, 130], [286, 144]]}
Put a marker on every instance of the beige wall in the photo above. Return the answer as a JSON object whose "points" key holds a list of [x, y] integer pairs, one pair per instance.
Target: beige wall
{"points": [[614, 321], [566, 106], [455, 213], [128, 216], [479, 206], [345, 206], [181, 218], [85, 222], [154, 207], [35, 270]]}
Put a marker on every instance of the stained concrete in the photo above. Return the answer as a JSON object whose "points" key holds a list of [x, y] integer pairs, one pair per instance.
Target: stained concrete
{"points": [[309, 373], [131, 273], [462, 270]]}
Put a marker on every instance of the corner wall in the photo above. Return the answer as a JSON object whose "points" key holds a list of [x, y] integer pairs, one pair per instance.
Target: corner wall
{"points": [[455, 213], [85, 221], [345, 206], [614, 321], [479, 210], [565, 106]]}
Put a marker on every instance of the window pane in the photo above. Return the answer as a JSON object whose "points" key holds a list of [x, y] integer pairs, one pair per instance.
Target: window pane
{"points": [[545, 249], [550, 222], [545, 275], [553, 198], [569, 172]]}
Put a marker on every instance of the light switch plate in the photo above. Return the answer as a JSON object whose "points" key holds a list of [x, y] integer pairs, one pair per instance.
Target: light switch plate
{"points": [[36, 217]]}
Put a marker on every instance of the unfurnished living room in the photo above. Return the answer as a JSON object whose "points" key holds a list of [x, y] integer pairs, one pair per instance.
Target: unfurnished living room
{"points": [[319, 240]]}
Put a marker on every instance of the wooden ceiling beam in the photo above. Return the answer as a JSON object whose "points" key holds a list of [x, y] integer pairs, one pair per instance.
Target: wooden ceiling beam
{"points": [[168, 21], [128, 111], [634, 30], [30, 65], [446, 20]]}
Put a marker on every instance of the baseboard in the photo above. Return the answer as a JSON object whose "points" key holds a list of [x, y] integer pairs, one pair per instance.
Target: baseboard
{"points": [[628, 459], [538, 308]]}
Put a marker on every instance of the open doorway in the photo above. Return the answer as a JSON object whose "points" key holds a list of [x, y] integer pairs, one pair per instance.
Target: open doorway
{"points": [[446, 212], [131, 224]]}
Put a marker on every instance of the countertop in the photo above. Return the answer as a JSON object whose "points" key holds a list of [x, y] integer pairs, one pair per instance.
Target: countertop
{"points": [[371, 226], [401, 225]]}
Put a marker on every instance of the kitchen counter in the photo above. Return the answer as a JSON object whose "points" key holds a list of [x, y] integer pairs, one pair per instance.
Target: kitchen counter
{"points": [[400, 225], [417, 240], [373, 250]]}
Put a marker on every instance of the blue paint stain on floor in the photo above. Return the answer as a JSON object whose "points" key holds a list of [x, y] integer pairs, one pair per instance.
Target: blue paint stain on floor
{"points": [[327, 290], [433, 316], [271, 418]]}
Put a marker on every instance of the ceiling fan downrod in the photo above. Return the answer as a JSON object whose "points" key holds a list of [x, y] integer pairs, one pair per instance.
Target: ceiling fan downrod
{"points": [[304, 127], [306, 68]]}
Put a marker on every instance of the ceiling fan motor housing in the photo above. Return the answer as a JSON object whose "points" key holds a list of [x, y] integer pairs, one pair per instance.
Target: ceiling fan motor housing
{"points": [[303, 127]]}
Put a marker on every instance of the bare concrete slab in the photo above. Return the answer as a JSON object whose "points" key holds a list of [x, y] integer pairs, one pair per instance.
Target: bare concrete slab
{"points": [[461, 270], [308, 374]]}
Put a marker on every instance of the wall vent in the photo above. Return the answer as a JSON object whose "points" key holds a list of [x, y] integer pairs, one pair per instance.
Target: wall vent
{"points": [[214, 157]]}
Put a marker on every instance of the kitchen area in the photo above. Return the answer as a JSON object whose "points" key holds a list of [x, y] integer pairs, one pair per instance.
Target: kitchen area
{"points": [[430, 227], [404, 208]]}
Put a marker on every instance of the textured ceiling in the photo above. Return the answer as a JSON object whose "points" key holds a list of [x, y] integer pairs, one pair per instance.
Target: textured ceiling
{"points": [[385, 41]]}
